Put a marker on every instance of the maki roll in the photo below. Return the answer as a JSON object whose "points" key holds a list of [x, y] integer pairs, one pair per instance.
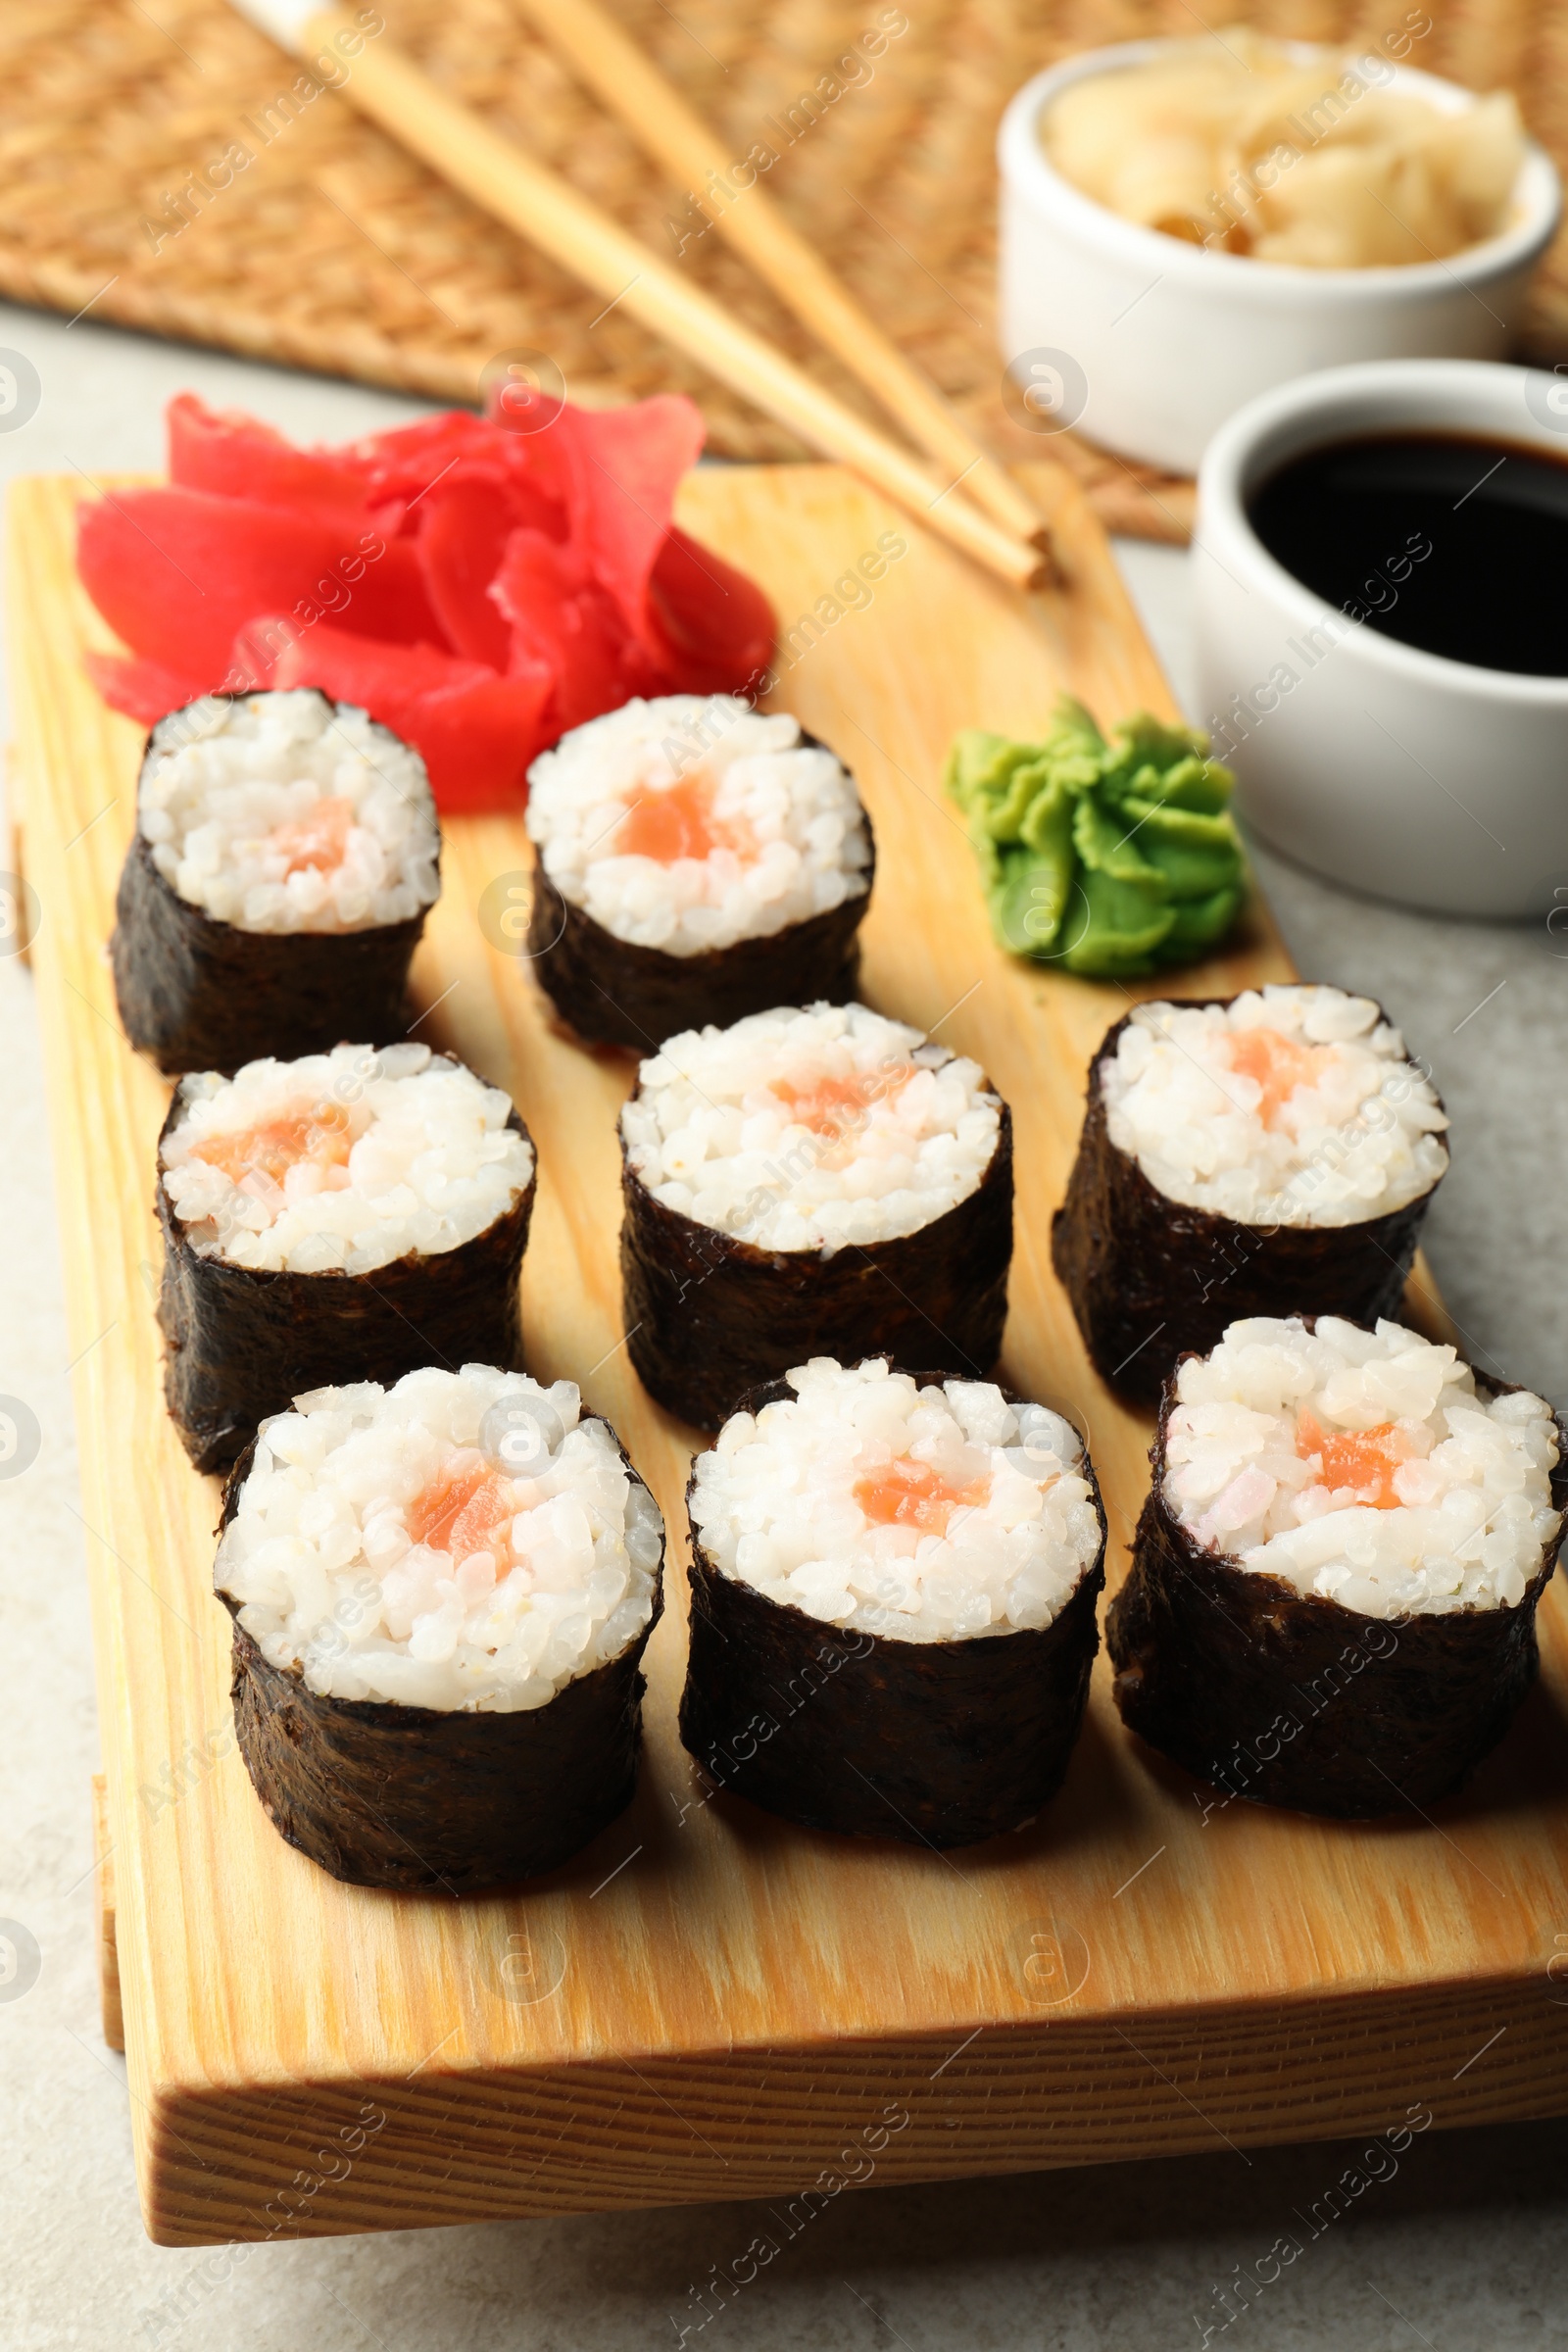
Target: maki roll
{"points": [[286, 853], [698, 860], [353, 1214], [1273, 1153], [441, 1593], [1332, 1599], [893, 1593], [804, 1181]]}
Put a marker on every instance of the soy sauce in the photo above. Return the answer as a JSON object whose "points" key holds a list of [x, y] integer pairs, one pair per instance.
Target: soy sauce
{"points": [[1450, 542]]}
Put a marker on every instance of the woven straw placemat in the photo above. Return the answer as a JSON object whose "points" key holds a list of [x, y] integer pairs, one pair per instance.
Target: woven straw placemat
{"points": [[162, 165]]}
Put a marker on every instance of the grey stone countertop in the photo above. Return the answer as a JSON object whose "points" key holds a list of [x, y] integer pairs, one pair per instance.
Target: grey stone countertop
{"points": [[1460, 2248]]}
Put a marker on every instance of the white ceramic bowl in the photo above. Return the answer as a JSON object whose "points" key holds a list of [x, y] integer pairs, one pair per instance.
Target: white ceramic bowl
{"points": [[1399, 772], [1151, 343]]}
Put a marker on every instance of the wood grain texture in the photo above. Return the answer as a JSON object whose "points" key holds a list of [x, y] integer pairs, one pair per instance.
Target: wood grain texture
{"points": [[710, 2003]]}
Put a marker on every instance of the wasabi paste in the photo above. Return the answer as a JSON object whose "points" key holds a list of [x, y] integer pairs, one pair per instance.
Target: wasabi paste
{"points": [[1109, 858]]}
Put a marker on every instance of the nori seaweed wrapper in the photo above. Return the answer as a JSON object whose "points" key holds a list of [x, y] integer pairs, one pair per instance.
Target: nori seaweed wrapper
{"points": [[1287, 1698], [936, 1743], [708, 1317], [1150, 1279], [615, 994], [425, 1802], [197, 994], [241, 1344]]}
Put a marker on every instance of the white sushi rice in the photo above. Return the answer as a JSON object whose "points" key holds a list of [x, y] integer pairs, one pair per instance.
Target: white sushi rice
{"points": [[1355, 1137], [811, 1129], [1465, 1511], [321, 1551], [793, 807], [774, 1504], [234, 794], [343, 1161]]}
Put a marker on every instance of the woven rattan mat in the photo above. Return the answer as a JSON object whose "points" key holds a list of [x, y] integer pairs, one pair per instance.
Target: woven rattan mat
{"points": [[162, 165]]}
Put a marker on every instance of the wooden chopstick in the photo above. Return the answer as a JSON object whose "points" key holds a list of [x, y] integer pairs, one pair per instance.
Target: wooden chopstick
{"points": [[527, 196], [655, 113]]}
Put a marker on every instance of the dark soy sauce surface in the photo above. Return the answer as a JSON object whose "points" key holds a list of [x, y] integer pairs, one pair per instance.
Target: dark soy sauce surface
{"points": [[1452, 542]]}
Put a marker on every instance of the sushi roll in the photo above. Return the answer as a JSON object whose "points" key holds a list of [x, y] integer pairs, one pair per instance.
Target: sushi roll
{"points": [[286, 853], [698, 860], [440, 1593], [351, 1214], [808, 1181], [1271, 1153], [1332, 1598], [893, 1586]]}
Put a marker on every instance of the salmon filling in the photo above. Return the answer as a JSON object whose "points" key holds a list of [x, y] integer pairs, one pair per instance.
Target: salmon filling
{"points": [[318, 841], [1287, 1106], [341, 1162], [444, 1582], [832, 1107], [1370, 1468], [319, 1138], [281, 813], [466, 1507], [666, 826], [910, 1493], [689, 823], [1362, 1462], [922, 1512], [1278, 1065]]}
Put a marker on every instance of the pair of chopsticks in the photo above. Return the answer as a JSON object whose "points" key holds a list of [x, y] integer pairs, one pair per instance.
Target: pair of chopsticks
{"points": [[972, 501]]}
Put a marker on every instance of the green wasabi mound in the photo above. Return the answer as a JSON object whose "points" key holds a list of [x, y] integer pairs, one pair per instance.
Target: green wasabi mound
{"points": [[1111, 859]]}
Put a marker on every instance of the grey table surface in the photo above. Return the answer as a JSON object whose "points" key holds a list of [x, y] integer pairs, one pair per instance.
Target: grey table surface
{"points": [[1460, 2247]]}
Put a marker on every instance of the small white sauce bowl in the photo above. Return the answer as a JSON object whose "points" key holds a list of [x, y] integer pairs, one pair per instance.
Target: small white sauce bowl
{"points": [[1399, 772], [1151, 343]]}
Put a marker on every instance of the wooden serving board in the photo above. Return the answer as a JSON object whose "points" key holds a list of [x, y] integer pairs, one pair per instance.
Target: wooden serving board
{"points": [[710, 2004]]}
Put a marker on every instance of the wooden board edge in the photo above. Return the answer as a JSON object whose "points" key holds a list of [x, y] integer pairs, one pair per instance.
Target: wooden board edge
{"points": [[27, 504], [317, 2161], [103, 1854]]}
